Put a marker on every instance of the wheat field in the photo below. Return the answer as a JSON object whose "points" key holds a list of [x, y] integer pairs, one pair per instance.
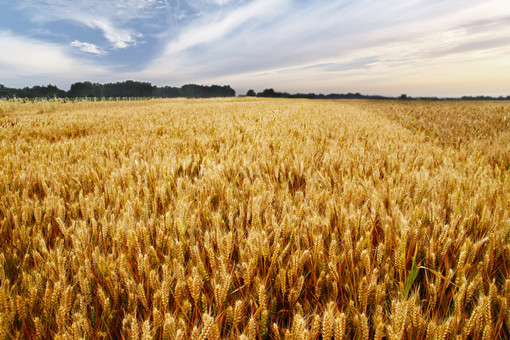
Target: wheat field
{"points": [[255, 219]]}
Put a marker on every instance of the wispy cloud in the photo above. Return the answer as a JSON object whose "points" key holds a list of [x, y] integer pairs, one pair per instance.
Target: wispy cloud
{"points": [[335, 45], [119, 37], [87, 47], [213, 28], [368, 46], [111, 17], [41, 62]]}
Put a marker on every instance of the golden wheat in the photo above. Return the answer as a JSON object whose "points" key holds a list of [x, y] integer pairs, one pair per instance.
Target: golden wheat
{"points": [[250, 218]]}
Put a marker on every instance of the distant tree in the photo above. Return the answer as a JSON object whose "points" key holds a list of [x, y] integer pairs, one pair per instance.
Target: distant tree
{"points": [[201, 91], [81, 89], [267, 93], [167, 92], [273, 94], [48, 91], [52, 91], [190, 90], [228, 91], [4, 91], [128, 88], [250, 93]]}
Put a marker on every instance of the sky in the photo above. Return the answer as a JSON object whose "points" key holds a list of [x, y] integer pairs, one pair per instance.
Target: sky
{"points": [[386, 47]]}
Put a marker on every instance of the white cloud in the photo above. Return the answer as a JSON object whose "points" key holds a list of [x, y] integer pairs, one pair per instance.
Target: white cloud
{"points": [[32, 60], [87, 47], [111, 17], [384, 46], [221, 2], [275, 44], [120, 38], [211, 29]]}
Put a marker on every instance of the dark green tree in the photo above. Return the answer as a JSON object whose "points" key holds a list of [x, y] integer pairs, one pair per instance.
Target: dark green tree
{"points": [[82, 89]]}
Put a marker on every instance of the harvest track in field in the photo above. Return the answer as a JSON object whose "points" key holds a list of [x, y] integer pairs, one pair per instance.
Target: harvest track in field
{"points": [[250, 218]]}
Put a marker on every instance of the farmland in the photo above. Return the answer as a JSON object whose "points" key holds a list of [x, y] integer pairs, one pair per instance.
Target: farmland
{"points": [[255, 218]]}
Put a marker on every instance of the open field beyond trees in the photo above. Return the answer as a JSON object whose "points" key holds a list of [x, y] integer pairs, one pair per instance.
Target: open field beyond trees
{"points": [[255, 218]]}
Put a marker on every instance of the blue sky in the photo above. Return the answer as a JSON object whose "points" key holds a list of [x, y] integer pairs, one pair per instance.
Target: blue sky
{"points": [[389, 47]]}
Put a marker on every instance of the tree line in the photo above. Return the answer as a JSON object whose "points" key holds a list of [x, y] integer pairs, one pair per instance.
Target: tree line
{"points": [[271, 93], [127, 88], [131, 88]]}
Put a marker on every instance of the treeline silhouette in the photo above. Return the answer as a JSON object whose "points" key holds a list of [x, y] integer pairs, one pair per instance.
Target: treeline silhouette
{"points": [[37, 91], [131, 88], [127, 88], [271, 93]]}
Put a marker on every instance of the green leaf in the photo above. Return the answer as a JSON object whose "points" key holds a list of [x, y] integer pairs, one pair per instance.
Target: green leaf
{"points": [[410, 280], [412, 274]]}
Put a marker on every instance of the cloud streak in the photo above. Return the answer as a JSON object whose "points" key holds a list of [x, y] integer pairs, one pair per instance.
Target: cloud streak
{"points": [[87, 47], [45, 61], [111, 17], [368, 46], [305, 47], [210, 30]]}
